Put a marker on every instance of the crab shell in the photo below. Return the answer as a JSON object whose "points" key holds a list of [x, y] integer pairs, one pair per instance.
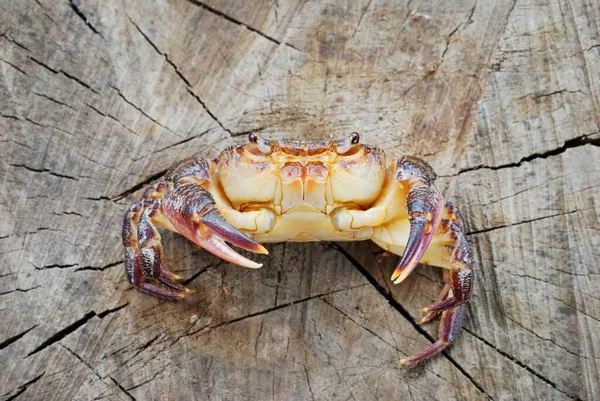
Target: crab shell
{"points": [[303, 184]]}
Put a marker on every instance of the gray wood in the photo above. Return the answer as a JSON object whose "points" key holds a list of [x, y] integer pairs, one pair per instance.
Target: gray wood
{"points": [[99, 98]]}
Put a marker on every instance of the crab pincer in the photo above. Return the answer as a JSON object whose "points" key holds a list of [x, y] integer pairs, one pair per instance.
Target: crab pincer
{"points": [[191, 210], [424, 204], [179, 202]]}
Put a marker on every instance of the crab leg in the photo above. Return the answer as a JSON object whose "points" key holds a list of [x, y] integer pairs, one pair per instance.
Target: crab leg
{"points": [[451, 302], [459, 277], [433, 236], [424, 204], [144, 255], [450, 325]]}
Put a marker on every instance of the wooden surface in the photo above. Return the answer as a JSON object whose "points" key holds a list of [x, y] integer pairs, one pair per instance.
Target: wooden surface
{"points": [[97, 99]]}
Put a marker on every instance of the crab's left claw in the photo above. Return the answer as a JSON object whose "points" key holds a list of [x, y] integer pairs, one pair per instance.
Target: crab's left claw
{"points": [[191, 210], [424, 204]]}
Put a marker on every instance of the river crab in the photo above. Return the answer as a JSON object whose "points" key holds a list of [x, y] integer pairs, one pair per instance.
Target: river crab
{"points": [[273, 191]]}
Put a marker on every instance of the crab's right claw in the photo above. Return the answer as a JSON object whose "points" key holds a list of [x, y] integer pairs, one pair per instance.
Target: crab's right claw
{"points": [[424, 205], [191, 210]]}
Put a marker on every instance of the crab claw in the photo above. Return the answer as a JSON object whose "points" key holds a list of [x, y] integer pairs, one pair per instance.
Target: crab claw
{"points": [[220, 230], [425, 210], [191, 210]]}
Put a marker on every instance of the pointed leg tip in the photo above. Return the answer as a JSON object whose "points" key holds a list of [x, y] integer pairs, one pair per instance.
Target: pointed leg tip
{"points": [[404, 362]]}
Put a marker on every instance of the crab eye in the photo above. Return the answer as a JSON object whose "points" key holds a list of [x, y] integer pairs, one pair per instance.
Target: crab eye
{"points": [[343, 146], [263, 145]]}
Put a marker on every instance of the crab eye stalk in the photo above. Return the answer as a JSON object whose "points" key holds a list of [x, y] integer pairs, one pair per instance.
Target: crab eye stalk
{"points": [[263, 145], [343, 146]]}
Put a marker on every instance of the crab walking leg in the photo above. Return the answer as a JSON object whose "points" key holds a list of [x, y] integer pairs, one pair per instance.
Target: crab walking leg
{"points": [[442, 297], [460, 275], [143, 253], [151, 251], [449, 250], [452, 299], [450, 325]]}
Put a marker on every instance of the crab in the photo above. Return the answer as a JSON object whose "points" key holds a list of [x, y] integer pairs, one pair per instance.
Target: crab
{"points": [[274, 191]]}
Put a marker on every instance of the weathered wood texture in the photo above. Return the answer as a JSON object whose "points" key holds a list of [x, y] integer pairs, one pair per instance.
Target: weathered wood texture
{"points": [[98, 98]]}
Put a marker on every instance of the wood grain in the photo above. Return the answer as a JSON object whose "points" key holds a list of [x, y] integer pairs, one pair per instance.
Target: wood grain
{"points": [[97, 99]]}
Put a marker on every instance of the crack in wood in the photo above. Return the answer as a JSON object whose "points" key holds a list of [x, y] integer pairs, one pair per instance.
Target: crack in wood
{"points": [[99, 268], [59, 335], [69, 214], [54, 100], [487, 230], [29, 120], [544, 338], [189, 87], [360, 325], [312, 395], [70, 76], [198, 274], [120, 94], [210, 113], [568, 144], [19, 290], [522, 364], [362, 14], [262, 312], [22, 388], [112, 117], [44, 170], [15, 338], [90, 367], [14, 66], [55, 266], [396, 305], [550, 94], [123, 389], [13, 41], [240, 23], [134, 188], [81, 15], [144, 347], [165, 55]]}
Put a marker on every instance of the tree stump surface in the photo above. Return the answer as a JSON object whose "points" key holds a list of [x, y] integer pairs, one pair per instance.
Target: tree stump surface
{"points": [[98, 99]]}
